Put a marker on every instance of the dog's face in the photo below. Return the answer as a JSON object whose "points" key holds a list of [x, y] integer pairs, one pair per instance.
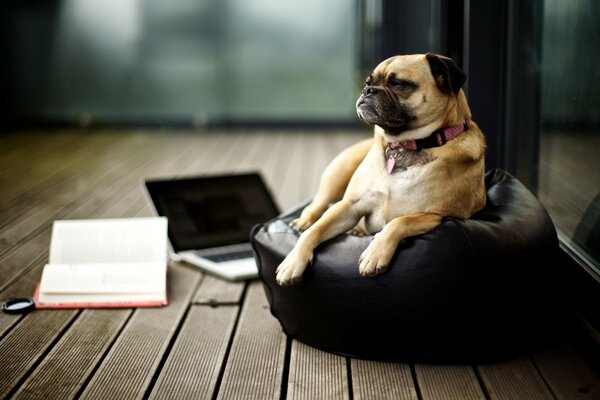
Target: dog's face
{"points": [[408, 92]]}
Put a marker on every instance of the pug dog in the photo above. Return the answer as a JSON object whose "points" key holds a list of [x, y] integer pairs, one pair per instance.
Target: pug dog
{"points": [[424, 162]]}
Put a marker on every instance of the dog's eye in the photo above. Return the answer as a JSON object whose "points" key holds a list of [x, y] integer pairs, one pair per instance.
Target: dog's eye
{"points": [[402, 84], [368, 81]]}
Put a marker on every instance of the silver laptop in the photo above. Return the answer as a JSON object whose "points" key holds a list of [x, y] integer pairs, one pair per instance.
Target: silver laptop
{"points": [[210, 219]]}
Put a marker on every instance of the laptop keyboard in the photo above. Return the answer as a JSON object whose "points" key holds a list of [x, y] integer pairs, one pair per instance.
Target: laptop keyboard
{"points": [[229, 256], [226, 254]]}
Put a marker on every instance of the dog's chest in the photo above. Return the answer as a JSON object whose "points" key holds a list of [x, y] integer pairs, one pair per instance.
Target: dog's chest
{"points": [[393, 195]]}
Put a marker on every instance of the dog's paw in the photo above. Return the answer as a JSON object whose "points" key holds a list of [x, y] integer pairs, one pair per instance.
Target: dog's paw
{"points": [[302, 223], [376, 257], [291, 269], [357, 231]]}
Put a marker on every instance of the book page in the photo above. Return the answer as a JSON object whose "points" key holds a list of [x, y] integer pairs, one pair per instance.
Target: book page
{"points": [[103, 278], [106, 241], [100, 299], [106, 261]]}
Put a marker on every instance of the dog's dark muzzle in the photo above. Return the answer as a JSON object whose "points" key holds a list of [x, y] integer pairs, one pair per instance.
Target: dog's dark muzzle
{"points": [[378, 106]]}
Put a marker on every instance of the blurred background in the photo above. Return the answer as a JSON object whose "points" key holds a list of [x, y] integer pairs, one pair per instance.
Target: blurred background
{"points": [[183, 62], [533, 67]]}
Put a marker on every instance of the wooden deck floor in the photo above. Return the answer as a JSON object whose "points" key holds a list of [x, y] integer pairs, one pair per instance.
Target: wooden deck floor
{"points": [[216, 340]]}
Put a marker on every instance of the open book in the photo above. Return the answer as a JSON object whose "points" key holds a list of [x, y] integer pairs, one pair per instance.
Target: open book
{"points": [[105, 263]]}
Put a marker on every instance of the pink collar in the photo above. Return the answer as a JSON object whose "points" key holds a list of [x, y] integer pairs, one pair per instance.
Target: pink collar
{"points": [[437, 138]]}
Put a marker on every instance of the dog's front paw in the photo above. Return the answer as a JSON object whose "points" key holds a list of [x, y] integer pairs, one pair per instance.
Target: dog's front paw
{"points": [[309, 216], [376, 257], [302, 223], [291, 269]]}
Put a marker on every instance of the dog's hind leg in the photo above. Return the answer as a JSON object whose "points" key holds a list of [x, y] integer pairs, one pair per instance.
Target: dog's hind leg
{"points": [[333, 183], [360, 229]]}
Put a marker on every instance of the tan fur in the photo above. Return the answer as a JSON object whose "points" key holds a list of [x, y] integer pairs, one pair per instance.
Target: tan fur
{"points": [[356, 187]]}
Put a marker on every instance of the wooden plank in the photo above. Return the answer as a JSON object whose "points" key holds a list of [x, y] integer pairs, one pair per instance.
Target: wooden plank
{"points": [[185, 150], [26, 285], [301, 159], [19, 259], [255, 366], [315, 374], [28, 278], [315, 158], [178, 155], [20, 151], [289, 167], [50, 168], [64, 370], [13, 263], [566, 373], [222, 154], [16, 146], [206, 151], [27, 150], [119, 150], [377, 380], [448, 382], [191, 149], [259, 151], [69, 185], [514, 380], [22, 257], [98, 187], [9, 266], [128, 368], [215, 291], [194, 364], [44, 345], [348, 138], [32, 277], [22, 347], [221, 157], [269, 168]]}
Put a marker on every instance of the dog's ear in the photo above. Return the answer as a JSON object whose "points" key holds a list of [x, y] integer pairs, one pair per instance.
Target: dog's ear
{"points": [[446, 73]]}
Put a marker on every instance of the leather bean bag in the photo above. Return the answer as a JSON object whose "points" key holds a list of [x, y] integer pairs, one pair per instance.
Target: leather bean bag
{"points": [[469, 291]]}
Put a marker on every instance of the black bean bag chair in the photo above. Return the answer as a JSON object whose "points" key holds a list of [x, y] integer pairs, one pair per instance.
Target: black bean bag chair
{"points": [[469, 291]]}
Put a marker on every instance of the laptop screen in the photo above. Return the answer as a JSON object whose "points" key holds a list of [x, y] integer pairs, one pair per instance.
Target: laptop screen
{"points": [[211, 211]]}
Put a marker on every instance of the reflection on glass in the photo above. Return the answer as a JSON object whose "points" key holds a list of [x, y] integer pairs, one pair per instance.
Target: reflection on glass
{"points": [[569, 162]]}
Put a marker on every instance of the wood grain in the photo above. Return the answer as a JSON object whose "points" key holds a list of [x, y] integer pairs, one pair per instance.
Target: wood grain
{"points": [[451, 382], [194, 364], [141, 353], [215, 291], [315, 374], [376, 380], [566, 373], [514, 380], [128, 368], [22, 347], [65, 369], [256, 362]]}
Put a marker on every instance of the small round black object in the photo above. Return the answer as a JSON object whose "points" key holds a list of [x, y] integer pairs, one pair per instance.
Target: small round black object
{"points": [[18, 305]]}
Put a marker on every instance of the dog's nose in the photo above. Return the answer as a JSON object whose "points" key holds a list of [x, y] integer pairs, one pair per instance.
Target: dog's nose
{"points": [[370, 90]]}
